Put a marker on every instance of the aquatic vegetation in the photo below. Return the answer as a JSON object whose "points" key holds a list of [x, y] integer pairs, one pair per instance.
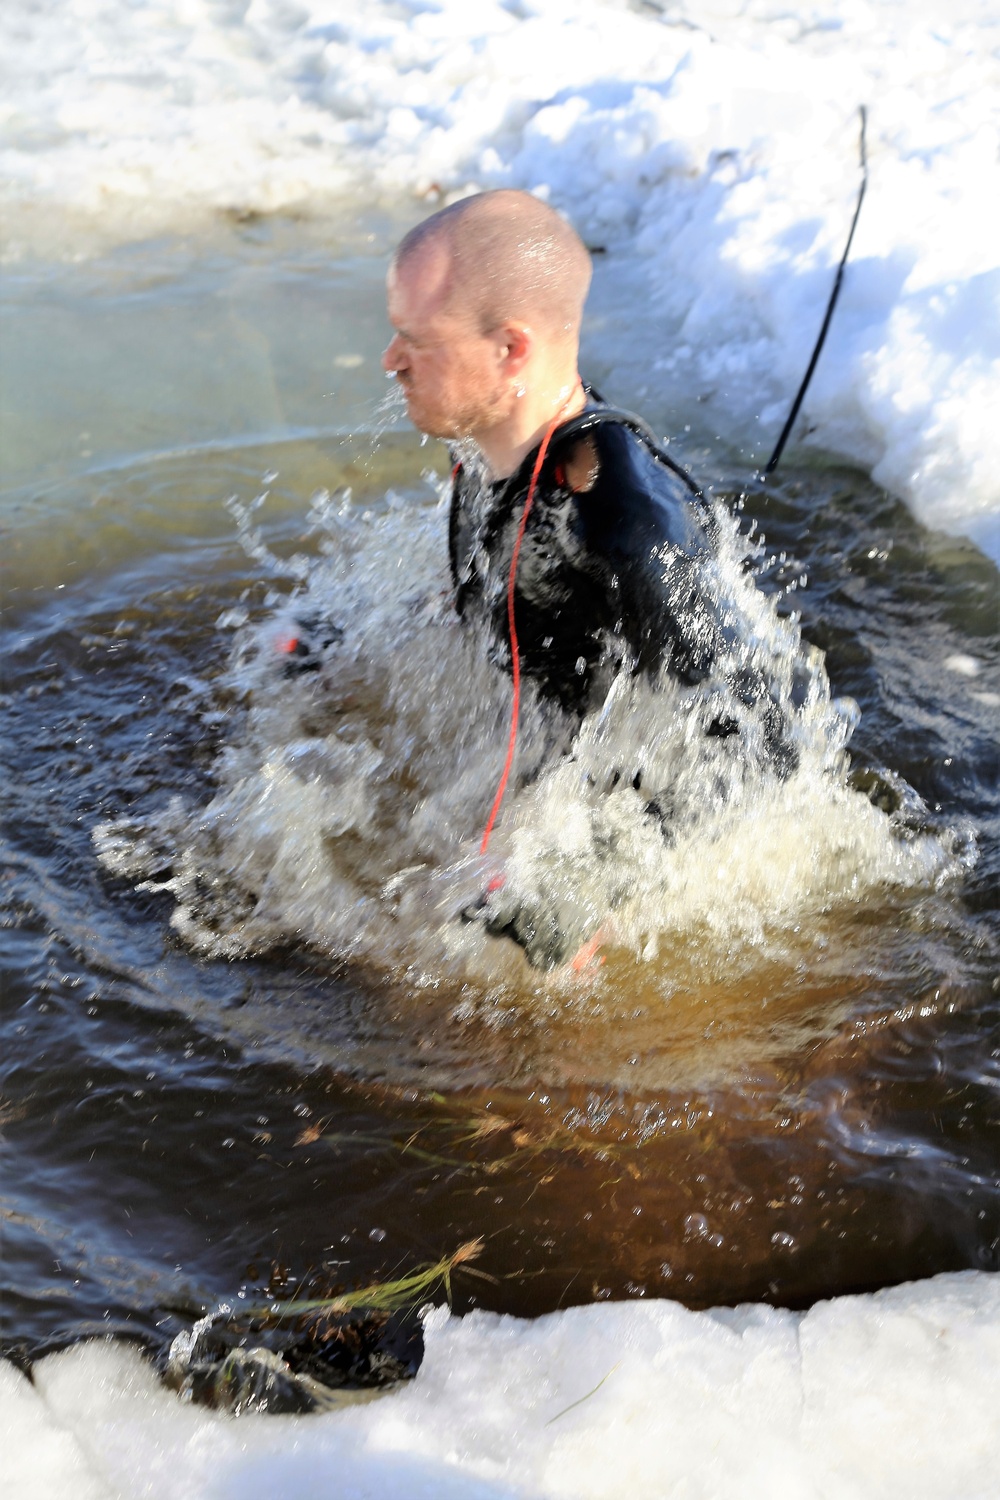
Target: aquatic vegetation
{"points": [[381, 1296], [451, 1142]]}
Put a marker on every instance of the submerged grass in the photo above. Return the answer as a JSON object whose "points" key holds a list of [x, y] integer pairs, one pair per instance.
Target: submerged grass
{"points": [[511, 1140]]}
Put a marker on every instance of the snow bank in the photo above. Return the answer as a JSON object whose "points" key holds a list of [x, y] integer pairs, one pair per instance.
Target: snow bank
{"points": [[878, 1396], [711, 150], [710, 147], [41, 1460]]}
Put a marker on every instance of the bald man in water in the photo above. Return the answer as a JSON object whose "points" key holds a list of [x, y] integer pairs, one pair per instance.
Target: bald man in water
{"points": [[570, 504], [486, 298]]}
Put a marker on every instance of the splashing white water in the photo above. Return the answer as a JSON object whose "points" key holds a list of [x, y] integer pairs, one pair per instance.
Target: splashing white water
{"points": [[354, 788]]}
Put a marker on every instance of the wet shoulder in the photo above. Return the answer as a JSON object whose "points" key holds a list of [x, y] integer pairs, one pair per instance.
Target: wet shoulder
{"points": [[629, 502]]}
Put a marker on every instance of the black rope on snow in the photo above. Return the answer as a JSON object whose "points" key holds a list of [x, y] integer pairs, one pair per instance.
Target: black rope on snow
{"points": [[772, 462]]}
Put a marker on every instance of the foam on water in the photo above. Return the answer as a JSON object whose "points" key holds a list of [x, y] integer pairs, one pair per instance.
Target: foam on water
{"points": [[709, 149], [865, 1398], [351, 798]]}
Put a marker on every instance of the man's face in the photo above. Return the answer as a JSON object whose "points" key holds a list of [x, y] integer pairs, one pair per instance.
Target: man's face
{"points": [[450, 372]]}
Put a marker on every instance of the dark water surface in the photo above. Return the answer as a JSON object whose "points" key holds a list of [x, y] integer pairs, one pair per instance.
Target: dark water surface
{"points": [[176, 1127]]}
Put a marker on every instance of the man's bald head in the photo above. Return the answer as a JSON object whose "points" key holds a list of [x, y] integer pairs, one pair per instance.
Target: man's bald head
{"points": [[503, 257]]}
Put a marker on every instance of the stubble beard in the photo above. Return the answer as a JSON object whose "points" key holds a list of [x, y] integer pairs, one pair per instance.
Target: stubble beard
{"points": [[464, 423]]}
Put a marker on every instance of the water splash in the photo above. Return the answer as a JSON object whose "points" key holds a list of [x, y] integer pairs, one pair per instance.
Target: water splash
{"points": [[368, 733]]}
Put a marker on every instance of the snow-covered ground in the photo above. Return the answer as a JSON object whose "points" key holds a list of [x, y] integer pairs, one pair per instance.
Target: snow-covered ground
{"points": [[710, 147], [865, 1398]]}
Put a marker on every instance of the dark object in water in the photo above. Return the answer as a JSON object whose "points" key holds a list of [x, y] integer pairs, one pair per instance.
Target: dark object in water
{"points": [[878, 787], [360, 1352], [306, 1365], [549, 935], [892, 795], [303, 649]]}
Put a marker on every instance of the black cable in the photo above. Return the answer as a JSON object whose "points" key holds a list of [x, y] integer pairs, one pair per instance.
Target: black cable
{"points": [[595, 416], [772, 462]]}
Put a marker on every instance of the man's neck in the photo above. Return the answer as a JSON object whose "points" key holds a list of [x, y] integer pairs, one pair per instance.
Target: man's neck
{"points": [[506, 445]]}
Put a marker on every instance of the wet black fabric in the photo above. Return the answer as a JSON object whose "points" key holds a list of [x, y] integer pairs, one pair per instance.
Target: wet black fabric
{"points": [[618, 574], [612, 575]]}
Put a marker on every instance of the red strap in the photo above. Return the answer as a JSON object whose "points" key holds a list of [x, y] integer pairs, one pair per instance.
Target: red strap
{"points": [[515, 654]]}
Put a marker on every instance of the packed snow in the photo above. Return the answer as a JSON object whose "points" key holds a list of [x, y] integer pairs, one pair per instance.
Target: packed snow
{"points": [[710, 149], [861, 1398]]}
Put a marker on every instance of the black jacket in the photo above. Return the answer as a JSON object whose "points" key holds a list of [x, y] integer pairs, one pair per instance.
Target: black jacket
{"points": [[608, 576]]}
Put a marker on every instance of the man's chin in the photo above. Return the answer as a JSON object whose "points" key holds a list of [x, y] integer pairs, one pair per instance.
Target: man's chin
{"points": [[416, 416], [429, 424]]}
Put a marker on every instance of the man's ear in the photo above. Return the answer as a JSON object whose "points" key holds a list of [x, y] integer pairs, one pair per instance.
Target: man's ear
{"points": [[516, 342]]}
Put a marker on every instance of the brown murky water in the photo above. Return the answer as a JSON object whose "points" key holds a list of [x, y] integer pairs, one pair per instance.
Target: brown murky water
{"points": [[781, 1109]]}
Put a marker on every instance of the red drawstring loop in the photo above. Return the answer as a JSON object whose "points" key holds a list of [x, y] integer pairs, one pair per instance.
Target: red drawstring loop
{"points": [[515, 655]]}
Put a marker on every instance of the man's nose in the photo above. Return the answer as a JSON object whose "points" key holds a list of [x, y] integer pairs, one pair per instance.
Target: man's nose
{"points": [[392, 358]]}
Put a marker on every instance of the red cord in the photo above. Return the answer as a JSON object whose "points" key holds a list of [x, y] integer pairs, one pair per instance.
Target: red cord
{"points": [[515, 654]]}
